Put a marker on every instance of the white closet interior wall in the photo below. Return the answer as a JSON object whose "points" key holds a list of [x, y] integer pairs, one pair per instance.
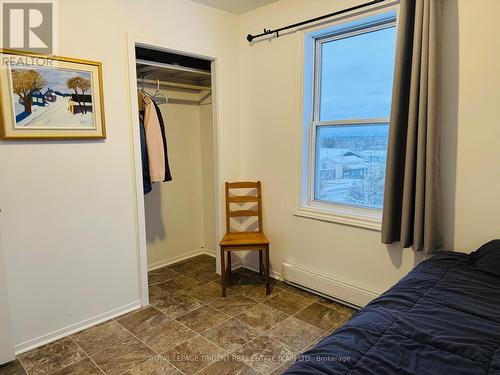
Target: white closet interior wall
{"points": [[180, 214]]}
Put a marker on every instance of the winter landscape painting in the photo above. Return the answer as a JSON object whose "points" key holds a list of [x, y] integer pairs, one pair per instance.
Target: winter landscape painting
{"points": [[50, 97]]}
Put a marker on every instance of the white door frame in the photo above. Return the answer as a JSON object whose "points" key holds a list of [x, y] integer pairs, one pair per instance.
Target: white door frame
{"points": [[173, 47], [6, 339]]}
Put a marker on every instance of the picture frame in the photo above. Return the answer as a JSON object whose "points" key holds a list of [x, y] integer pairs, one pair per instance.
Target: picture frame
{"points": [[50, 97]]}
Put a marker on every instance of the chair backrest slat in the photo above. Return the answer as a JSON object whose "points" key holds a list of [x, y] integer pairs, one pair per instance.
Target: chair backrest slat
{"points": [[255, 198], [243, 213], [243, 199]]}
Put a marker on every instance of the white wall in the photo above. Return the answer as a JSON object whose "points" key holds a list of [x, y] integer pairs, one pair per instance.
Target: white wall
{"points": [[68, 225], [470, 120], [269, 117]]}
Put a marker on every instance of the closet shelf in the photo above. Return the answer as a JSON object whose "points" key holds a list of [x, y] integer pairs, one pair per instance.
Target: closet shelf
{"points": [[154, 64], [184, 86], [175, 76]]}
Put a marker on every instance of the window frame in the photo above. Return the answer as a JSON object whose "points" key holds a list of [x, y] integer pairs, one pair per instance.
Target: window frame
{"points": [[309, 206]]}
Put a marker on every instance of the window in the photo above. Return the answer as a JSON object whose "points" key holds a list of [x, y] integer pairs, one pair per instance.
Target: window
{"points": [[348, 91]]}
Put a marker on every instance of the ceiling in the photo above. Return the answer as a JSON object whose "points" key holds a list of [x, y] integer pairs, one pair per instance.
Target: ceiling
{"points": [[235, 6]]}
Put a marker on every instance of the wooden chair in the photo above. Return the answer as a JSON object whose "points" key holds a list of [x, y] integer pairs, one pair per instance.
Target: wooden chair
{"points": [[235, 241]]}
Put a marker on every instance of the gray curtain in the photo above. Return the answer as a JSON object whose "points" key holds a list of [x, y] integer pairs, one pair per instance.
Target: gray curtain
{"points": [[412, 213]]}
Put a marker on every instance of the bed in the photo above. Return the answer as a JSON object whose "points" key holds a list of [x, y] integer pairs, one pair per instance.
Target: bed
{"points": [[442, 318]]}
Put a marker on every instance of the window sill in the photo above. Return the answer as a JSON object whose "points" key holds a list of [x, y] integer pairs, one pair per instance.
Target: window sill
{"points": [[367, 219]]}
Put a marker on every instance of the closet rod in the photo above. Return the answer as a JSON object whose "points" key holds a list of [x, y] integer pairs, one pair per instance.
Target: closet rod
{"points": [[173, 67], [176, 85], [266, 32]]}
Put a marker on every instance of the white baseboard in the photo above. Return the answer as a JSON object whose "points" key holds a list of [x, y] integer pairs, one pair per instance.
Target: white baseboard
{"points": [[189, 254], [329, 286], [76, 327], [210, 252], [87, 323]]}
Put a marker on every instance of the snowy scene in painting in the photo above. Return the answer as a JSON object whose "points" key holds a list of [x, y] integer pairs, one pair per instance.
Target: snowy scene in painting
{"points": [[52, 98]]}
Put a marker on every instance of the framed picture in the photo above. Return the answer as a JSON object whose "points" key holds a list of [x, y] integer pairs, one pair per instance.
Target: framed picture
{"points": [[50, 97]]}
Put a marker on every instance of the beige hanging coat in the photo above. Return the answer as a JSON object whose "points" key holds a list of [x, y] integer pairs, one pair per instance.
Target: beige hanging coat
{"points": [[154, 140]]}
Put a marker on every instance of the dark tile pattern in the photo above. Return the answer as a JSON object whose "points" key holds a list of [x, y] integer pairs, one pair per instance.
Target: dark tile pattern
{"points": [[203, 274], [208, 292], [122, 356], [160, 278], [204, 259], [155, 366], [189, 328], [193, 355], [301, 292], [202, 319], [139, 321], [233, 304], [348, 311], [264, 354], [261, 317], [180, 283], [12, 368], [321, 316], [228, 366], [186, 266], [52, 357], [100, 337], [280, 370], [166, 336], [155, 293], [178, 305], [288, 302], [231, 334], [256, 291], [84, 367], [295, 333]]}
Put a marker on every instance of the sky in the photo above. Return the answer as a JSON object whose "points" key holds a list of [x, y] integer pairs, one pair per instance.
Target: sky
{"points": [[357, 74], [56, 77]]}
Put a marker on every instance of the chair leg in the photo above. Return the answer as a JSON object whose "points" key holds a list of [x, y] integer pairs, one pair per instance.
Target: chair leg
{"points": [[268, 275], [223, 271], [229, 267], [261, 272]]}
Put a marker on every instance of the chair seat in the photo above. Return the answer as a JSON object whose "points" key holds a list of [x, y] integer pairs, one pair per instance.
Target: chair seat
{"points": [[241, 239]]}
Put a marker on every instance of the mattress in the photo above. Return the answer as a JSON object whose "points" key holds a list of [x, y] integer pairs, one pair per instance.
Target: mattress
{"points": [[442, 318]]}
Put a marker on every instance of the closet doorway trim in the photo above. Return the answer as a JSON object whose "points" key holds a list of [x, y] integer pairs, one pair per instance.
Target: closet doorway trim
{"points": [[134, 41]]}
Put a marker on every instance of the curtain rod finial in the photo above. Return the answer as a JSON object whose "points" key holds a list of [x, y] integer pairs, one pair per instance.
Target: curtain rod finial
{"points": [[249, 38]]}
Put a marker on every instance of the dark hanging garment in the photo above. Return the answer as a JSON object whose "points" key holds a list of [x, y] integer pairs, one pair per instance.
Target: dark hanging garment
{"points": [[146, 180], [168, 176]]}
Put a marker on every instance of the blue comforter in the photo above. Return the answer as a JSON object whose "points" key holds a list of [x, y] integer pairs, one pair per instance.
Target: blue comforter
{"points": [[442, 318]]}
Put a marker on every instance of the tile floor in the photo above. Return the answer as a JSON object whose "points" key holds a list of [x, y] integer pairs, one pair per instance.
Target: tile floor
{"points": [[190, 329]]}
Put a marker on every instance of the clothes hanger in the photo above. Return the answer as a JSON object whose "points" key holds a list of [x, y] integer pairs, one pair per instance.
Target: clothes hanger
{"points": [[158, 97], [142, 85]]}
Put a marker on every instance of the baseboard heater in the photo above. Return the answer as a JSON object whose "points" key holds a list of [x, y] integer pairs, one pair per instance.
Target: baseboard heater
{"points": [[330, 287]]}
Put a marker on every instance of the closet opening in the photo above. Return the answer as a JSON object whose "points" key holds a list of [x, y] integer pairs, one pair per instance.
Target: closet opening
{"points": [[177, 171]]}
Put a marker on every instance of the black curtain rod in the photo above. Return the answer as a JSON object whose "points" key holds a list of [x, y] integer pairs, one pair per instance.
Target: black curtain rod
{"points": [[251, 37]]}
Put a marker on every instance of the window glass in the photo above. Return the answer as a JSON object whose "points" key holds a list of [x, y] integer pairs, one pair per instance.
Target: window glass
{"points": [[350, 164], [356, 76]]}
